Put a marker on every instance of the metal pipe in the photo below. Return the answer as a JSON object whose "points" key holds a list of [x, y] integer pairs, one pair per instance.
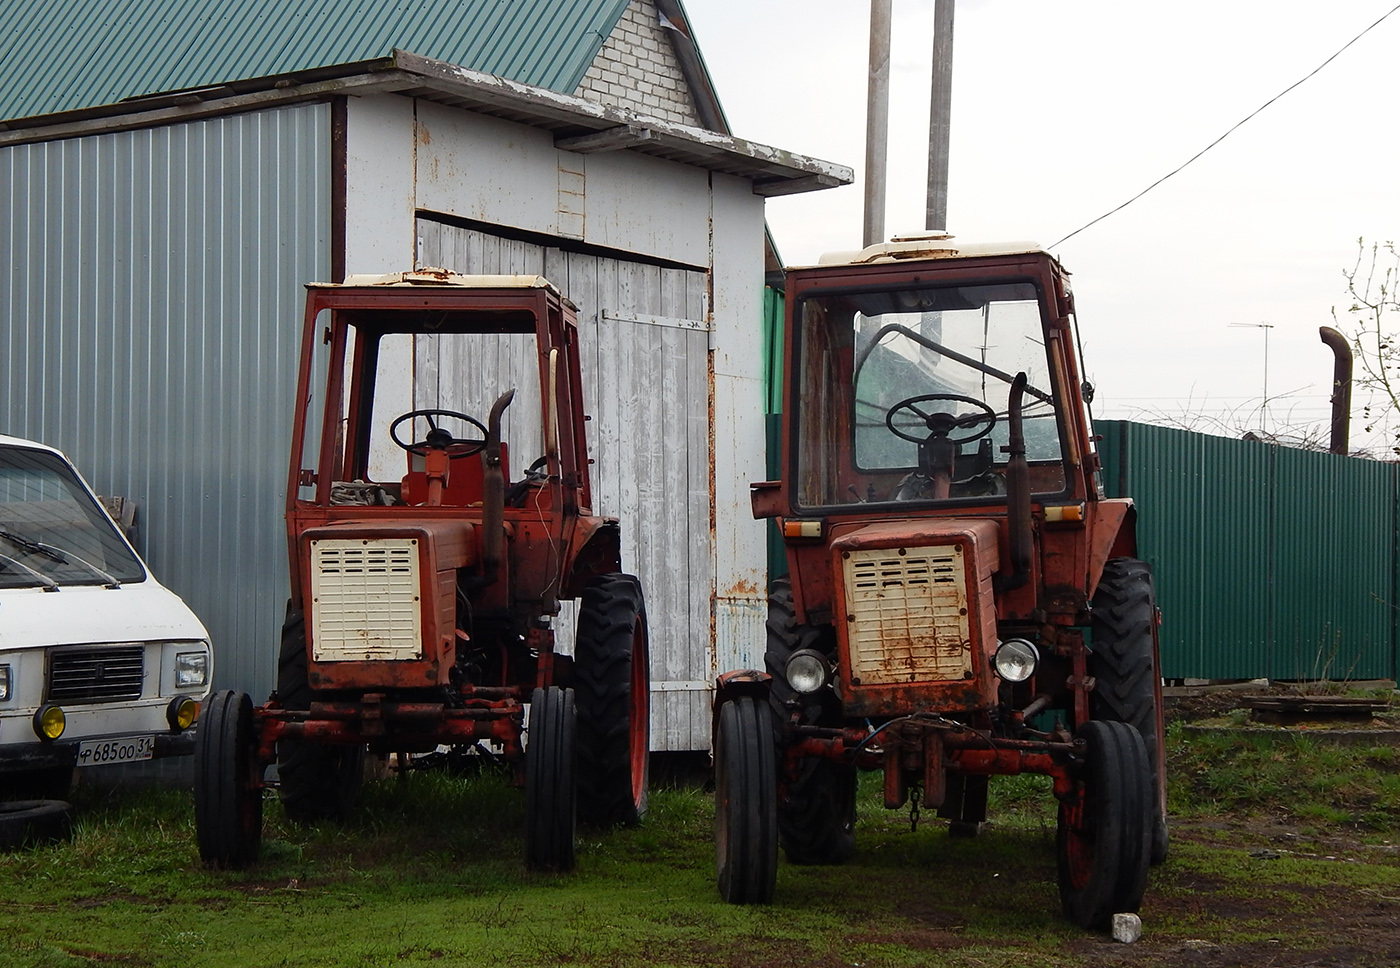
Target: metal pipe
{"points": [[940, 114], [493, 493], [1341, 388], [877, 121], [1018, 490]]}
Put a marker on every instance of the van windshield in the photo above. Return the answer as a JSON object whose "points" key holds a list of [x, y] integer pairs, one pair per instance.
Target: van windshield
{"points": [[51, 530]]}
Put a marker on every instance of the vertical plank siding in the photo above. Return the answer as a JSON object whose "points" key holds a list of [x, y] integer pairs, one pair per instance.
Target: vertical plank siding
{"points": [[152, 299], [1269, 561], [646, 383]]}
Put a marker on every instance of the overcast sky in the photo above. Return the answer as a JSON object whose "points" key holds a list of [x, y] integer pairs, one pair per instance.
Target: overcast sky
{"points": [[1062, 111]]}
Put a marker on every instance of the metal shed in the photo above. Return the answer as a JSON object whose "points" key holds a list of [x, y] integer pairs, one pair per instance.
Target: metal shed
{"points": [[151, 306]]}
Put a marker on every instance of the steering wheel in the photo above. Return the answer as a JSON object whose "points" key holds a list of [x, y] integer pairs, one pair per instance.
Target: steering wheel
{"points": [[439, 439], [942, 424]]}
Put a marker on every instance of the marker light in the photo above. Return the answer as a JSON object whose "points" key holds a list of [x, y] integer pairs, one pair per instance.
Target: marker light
{"points": [[49, 722]]}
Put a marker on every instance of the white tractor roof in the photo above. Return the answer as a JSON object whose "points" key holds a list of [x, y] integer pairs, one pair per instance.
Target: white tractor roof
{"points": [[932, 245], [430, 276]]}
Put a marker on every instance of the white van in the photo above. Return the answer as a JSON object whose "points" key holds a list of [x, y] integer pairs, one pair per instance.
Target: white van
{"points": [[99, 663]]}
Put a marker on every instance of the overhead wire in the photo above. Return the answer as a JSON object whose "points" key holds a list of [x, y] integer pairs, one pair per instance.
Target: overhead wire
{"points": [[1232, 130]]}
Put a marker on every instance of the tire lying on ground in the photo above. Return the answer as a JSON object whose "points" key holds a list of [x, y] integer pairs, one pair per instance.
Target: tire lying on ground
{"points": [[29, 823]]}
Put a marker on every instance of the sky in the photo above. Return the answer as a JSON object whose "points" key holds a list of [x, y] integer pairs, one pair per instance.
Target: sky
{"points": [[1063, 111]]}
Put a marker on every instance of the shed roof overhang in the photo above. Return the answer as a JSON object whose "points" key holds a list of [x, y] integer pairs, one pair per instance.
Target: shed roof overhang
{"points": [[577, 124]]}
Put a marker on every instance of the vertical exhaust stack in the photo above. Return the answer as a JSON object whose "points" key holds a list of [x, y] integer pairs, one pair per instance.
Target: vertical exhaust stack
{"points": [[1341, 388]]}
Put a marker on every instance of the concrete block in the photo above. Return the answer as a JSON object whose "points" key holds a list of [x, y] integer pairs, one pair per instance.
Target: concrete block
{"points": [[1127, 928]]}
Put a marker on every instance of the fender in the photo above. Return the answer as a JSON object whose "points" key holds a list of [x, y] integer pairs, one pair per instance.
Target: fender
{"points": [[1113, 535], [595, 549], [732, 685]]}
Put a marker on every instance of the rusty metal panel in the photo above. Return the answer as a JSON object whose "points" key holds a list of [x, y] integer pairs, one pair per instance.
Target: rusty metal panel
{"points": [[644, 361], [1269, 561], [69, 54], [150, 302]]}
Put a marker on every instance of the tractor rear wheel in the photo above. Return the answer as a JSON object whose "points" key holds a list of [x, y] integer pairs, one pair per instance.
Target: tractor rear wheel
{"points": [[316, 782], [550, 780], [1125, 664], [746, 808], [1104, 842], [227, 783], [612, 689], [817, 807]]}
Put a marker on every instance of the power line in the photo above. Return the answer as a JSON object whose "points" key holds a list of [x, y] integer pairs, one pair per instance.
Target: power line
{"points": [[1232, 130]]}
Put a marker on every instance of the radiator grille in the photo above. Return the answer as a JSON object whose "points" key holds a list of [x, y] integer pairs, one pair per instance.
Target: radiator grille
{"points": [[909, 615], [364, 599], [96, 674]]}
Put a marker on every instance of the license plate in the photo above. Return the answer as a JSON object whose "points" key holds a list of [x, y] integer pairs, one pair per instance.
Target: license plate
{"points": [[104, 752]]}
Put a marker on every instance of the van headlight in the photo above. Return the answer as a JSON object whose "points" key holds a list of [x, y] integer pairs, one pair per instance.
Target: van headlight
{"points": [[191, 669], [1016, 660], [4, 682], [807, 670]]}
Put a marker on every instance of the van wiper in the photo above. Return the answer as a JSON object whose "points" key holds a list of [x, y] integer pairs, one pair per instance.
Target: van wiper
{"points": [[56, 554], [49, 584]]}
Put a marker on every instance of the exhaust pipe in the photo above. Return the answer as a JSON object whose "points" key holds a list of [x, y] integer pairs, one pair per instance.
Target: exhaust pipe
{"points": [[1018, 491], [493, 493], [1341, 388]]}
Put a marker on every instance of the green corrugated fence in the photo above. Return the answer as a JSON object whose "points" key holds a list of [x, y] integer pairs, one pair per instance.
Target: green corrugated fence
{"points": [[1269, 561]]}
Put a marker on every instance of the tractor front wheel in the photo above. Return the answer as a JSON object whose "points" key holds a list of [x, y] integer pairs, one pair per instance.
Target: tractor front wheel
{"points": [[612, 686], [746, 802], [316, 782], [550, 780], [1104, 837], [1125, 665], [228, 783]]}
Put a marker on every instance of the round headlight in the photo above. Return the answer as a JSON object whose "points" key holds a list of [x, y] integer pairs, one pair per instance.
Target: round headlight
{"points": [[181, 713], [807, 670], [1016, 660], [49, 722]]}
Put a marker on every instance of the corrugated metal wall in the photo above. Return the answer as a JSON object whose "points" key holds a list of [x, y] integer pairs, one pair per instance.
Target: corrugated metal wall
{"points": [[644, 353], [1269, 561], [151, 309]]}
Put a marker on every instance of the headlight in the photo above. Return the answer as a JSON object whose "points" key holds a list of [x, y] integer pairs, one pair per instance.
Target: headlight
{"points": [[191, 669], [807, 670], [49, 722], [1016, 660], [4, 682], [181, 713]]}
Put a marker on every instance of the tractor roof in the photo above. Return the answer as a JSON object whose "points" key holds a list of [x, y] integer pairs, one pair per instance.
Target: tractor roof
{"points": [[430, 276], [933, 245]]}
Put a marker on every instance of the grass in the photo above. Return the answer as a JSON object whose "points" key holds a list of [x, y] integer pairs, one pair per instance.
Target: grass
{"points": [[431, 873]]}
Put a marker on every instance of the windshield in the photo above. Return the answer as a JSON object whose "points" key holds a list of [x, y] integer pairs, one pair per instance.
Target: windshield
{"points": [[51, 531], [904, 394]]}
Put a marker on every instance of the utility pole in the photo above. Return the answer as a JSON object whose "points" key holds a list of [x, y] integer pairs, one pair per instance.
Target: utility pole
{"points": [[1264, 409], [940, 116], [877, 121]]}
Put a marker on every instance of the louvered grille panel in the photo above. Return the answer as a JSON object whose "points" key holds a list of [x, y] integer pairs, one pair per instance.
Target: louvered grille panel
{"points": [[910, 621], [364, 601], [97, 674]]}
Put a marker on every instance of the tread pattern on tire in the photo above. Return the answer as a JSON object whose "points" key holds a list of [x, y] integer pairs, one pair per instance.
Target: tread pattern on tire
{"points": [[1115, 828], [315, 782], [31, 823], [609, 610], [1125, 668], [550, 781], [817, 808], [227, 810], [746, 808]]}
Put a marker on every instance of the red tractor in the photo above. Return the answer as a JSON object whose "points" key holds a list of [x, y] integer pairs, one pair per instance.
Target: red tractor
{"points": [[963, 601], [424, 586]]}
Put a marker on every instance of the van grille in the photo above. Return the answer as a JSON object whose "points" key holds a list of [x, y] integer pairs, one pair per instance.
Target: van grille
{"points": [[364, 599], [908, 615], [96, 674]]}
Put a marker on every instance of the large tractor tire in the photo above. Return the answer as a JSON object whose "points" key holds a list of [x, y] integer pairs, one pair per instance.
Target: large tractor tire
{"points": [[32, 823], [1103, 842], [1125, 664], [550, 780], [746, 807], [612, 690], [315, 781], [817, 807], [227, 783]]}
